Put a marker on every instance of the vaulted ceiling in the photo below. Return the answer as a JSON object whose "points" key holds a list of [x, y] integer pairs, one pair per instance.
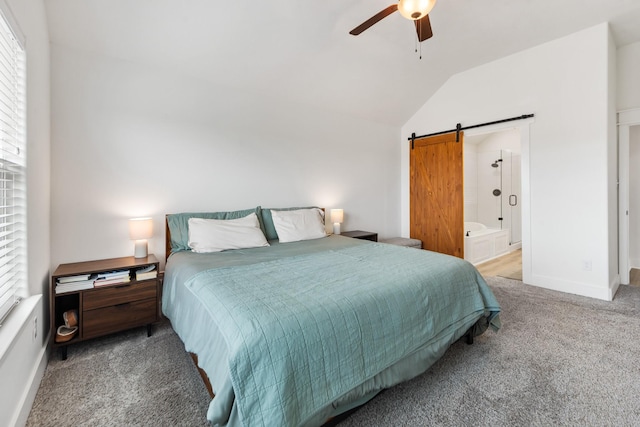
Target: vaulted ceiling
{"points": [[301, 51]]}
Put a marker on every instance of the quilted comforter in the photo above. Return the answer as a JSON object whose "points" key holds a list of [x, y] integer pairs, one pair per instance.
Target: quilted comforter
{"points": [[302, 332]]}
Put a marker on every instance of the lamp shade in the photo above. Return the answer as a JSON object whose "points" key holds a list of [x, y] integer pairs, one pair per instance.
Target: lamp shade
{"points": [[415, 9], [140, 228], [337, 215]]}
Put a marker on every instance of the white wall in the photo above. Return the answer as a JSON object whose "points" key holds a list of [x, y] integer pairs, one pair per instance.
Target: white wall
{"points": [[23, 355], [610, 112], [32, 20], [470, 161], [628, 76], [128, 140], [565, 83]]}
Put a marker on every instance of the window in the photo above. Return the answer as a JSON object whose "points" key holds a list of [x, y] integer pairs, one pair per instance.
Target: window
{"points": [[13, 272]]}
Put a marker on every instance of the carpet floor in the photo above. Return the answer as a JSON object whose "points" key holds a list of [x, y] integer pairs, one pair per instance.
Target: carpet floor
{"points": [[123, 379], [559, 359]]}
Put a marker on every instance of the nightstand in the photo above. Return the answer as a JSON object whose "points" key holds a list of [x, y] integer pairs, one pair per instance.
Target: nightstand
{"points": [[104, 309], [362, 235]]}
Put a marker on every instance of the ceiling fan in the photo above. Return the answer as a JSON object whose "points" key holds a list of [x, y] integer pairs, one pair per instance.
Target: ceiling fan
{"points": [[414, 10]]}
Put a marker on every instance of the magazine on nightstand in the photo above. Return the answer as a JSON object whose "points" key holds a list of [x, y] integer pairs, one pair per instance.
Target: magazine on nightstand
{"points": [[146, 273]]}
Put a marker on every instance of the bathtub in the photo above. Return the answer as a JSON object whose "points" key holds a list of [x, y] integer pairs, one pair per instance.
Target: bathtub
{"points": [[482, 244]]}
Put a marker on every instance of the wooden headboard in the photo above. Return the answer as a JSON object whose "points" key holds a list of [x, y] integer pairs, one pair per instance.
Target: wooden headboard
{"points": [[167, 239]]}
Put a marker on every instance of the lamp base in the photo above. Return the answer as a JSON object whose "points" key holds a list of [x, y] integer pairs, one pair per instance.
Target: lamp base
{"points": [[140, 250], [336, 228]]}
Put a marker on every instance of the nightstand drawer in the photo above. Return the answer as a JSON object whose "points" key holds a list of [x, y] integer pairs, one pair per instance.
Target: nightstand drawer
{"points": [[118, 317], [104, 297]]}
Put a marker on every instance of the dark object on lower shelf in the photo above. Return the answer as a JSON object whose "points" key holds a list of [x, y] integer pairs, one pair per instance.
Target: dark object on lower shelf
{"points": [[64, 333]]}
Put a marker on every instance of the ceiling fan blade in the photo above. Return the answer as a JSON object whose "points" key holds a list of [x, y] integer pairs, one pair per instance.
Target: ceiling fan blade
{"points": [[374, 19], [423, 28]]}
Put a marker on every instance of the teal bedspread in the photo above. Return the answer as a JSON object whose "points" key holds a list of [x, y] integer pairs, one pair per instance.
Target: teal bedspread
{"points": [[302, 331]]}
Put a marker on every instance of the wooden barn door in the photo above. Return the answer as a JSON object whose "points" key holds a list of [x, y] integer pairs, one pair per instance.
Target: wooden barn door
{"points": [[436, 194]]}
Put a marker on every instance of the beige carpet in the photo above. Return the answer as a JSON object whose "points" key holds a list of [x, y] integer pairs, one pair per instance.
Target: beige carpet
{"points": [[559, 359], [123, 379]]}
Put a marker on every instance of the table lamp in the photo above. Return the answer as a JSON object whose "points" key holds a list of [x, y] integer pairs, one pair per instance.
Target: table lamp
{"points": [[140, 229], [337, 216]]}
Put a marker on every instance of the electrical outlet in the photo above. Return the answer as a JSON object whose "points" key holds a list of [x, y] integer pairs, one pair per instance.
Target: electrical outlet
{"points": [[586, 265]]}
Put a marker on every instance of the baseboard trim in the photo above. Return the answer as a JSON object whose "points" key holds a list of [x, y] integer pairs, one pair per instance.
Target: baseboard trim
{"points": [[605, 293], [23, 361], [29, 396], [614, 285]]}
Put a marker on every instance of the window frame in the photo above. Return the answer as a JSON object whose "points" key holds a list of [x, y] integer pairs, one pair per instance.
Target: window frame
{"points": [[13, 165]]}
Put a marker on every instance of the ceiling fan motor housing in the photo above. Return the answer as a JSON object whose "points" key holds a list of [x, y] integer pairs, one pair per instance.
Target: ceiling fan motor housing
{"points": [[415, 9]]}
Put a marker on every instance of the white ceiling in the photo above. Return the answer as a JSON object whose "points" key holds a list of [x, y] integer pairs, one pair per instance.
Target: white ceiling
{"points": [[300, 51]]}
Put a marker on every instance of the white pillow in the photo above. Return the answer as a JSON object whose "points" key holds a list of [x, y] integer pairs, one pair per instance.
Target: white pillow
{"points": [[215, 235], [300, 224]]}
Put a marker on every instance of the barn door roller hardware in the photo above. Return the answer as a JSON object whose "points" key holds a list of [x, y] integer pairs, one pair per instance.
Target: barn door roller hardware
{"points": [[459, 128]]}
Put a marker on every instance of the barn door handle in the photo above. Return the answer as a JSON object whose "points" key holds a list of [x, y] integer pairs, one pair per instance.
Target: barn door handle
{"points": [[514, 201]]}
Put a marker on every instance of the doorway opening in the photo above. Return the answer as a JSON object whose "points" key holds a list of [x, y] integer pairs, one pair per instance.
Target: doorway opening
{"points": [[493, 200], [628, 195], [523, 127], [634, 206]]}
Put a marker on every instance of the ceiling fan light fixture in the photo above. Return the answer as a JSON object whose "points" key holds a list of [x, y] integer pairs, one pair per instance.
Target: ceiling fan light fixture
{"points": [[415, 9]]}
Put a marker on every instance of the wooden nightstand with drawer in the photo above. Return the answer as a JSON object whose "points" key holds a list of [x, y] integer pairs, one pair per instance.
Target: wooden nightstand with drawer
{"points": [[103, 309]]}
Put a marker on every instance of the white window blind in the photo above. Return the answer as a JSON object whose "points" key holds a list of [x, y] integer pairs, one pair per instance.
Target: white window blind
{"points": [[13, 275]]}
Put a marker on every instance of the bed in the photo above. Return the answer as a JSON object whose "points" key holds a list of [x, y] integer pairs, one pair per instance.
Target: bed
{"points": [[293, 333]]}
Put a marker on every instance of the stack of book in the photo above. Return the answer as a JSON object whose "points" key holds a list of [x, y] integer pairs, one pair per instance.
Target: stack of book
{"points": [[146, 273], [74, 283], [112, 278]]}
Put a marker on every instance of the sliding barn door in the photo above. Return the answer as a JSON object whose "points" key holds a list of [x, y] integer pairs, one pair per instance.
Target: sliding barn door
{"points": [[436, 194]]}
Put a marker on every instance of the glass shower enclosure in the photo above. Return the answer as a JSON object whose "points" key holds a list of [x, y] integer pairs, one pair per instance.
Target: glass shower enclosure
{"points": [[499, 190]]}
